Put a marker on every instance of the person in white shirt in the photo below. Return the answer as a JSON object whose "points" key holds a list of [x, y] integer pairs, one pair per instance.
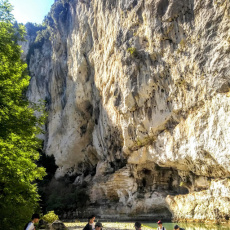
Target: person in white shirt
{"points": [[30, 226], [160, 225]]}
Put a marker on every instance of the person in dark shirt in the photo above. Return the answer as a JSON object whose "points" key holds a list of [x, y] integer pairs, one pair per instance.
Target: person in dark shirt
{"points": [[137, 226], [176, 227], [90, 225], [98, 226]]}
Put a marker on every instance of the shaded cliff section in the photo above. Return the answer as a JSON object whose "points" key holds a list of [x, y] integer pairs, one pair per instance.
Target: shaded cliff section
{"points": [[137, 96]]}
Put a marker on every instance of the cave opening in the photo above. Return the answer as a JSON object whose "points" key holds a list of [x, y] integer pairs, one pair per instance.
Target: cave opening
{"points": [[144, 182], [182, 191], [147, 171]]}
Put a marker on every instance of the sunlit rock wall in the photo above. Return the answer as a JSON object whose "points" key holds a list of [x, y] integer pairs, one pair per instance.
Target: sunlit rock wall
{"points": [[138, 99]]}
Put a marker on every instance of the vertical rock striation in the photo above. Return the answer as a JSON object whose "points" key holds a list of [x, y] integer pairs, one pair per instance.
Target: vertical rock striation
{"points": [[138, 103]]}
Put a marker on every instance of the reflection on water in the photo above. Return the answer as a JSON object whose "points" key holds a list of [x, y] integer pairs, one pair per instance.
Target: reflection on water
{"points": [[189, 226]]}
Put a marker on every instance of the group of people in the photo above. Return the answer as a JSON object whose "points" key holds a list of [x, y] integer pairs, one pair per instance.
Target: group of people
{"points": [[91, 225], [98, 226], [161, 227]]}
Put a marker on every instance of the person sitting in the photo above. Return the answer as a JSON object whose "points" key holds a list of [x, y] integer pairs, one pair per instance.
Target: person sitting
{"points": [[160, 225], [98, 226], [90, 225], [137, 226], [30, 226], [176, 227]]}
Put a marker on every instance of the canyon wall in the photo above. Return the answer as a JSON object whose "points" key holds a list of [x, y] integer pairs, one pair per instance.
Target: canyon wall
{"points": [[138, 100]]}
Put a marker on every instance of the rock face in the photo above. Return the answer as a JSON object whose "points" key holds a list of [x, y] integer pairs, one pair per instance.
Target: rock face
{"points": [[211, 205], [58, 225], [138, 99]]}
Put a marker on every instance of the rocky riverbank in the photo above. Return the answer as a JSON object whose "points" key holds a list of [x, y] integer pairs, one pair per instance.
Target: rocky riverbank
{"points": [[106, 226], [149, 226]]}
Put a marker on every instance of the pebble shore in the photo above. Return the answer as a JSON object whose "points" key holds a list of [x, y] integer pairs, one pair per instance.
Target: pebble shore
{"points": [[106, 226]]}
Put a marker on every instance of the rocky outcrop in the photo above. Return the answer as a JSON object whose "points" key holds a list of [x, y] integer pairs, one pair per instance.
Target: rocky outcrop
{"points": [[58, 225], [211, 205], [138, 101]]}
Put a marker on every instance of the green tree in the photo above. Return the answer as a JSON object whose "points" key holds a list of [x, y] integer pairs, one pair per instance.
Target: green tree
{"points": [[5, 11], [19, 128]]}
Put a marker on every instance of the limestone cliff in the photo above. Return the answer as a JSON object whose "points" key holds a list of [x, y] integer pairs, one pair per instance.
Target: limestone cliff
{"points": [[138, 99]]}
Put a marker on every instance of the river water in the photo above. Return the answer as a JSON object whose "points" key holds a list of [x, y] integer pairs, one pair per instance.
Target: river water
{"points": [[189, 226]]}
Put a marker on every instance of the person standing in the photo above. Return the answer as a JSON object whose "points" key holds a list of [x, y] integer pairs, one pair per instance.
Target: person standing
{"points": [[176, 227], [98, 226], [137, 226], [30, 226], [90, 225], [160, 225]]}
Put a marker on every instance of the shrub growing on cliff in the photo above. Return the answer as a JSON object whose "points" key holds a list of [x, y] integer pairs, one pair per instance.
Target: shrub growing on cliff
{"points": [[42, 35], [132, 51], [50, 217], [19, 128], [58, 12], [33, 28]]}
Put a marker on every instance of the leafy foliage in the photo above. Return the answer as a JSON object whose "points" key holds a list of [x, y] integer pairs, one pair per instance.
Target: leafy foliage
{"points": [[41, 34], [19, 128], [58, 13], [50, 217], [132, 51], [33, 28], [47, 162], [5, 11], [61, 196]]}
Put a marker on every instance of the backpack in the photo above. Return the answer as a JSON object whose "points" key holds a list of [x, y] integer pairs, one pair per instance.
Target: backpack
{"points": [[26, 225]]}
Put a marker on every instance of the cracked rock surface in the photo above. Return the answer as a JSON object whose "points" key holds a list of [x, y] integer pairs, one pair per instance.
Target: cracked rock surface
{"points": [[138, 100]]}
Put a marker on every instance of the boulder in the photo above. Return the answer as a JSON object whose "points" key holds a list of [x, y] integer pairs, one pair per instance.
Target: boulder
{"points": [[58, 225]]}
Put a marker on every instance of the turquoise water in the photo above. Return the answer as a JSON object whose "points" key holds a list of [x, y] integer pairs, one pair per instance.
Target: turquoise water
{"points": [[169, 226]]}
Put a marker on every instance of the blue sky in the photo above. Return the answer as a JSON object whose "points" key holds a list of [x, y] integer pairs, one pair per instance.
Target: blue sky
{"points": [[31, 10]]}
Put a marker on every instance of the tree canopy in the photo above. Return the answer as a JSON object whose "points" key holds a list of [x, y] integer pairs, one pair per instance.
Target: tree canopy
{"points": [[19, 128]]}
